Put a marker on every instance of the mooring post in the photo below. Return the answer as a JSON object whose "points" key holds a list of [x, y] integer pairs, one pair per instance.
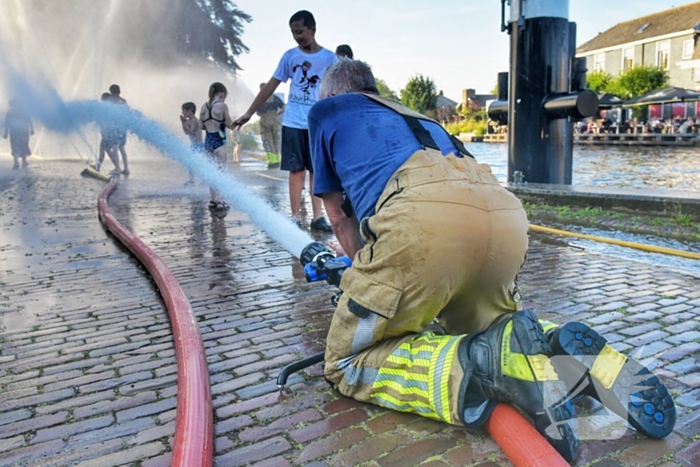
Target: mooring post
{"points": [[546, 93]]}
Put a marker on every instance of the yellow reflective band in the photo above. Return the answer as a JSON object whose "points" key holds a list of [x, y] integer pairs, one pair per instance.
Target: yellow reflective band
{"points": [[422, 408], [443, 389], [524, 367], [607, 366], [432, 370], [547, 325], [408, 362], [399, 389]]}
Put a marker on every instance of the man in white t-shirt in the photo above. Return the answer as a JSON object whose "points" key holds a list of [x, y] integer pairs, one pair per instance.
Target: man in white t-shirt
{"points": [[305, 66]]}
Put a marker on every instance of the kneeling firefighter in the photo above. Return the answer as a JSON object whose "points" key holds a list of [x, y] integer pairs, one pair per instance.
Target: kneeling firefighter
{"points": [[429, 320]]}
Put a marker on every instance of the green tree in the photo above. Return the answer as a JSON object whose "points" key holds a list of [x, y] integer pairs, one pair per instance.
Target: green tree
{"points": [[385, 91], [599, 81], [638, 81], [211, 29], [420, 94]]}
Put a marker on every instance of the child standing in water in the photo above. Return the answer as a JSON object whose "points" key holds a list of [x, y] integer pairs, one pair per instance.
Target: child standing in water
{"points": [[108, 142], [119, 133], [19, 127], [192, 128], [215, 118]]}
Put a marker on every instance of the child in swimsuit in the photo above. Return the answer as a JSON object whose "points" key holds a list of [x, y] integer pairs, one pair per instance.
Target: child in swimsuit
{"points": [[215, 118]]}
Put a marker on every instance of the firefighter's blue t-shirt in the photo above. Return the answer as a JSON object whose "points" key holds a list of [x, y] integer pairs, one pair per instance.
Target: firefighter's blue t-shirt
{"points": [[357, 144]]}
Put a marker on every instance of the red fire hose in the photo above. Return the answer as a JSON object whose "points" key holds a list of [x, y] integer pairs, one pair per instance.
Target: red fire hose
{"points": [[194, 426], [521, 442]]}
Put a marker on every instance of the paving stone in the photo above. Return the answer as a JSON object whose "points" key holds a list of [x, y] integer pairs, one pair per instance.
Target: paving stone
{"points": [[65, 431], [417, 451], [339, 440], [328, 425], [32, 424], [649, 451], [70, 456], [688, 425], [278, 426], [680, 351], [254, 452], [687, 365], [14, 416], [690, 399], [639, 329], [130, 427], [684, 337], [690, 456], [247, 405], [118, 404], [16, 456], [647, 338], [126, 456], [11, 443], [692, 379]]}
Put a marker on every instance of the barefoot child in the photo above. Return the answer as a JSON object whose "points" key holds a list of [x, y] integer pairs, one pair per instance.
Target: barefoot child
{"points": [[19, 127], [215, 118], [192, 128]]}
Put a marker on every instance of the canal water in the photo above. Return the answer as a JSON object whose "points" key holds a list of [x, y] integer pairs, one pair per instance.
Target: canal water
{"points": [[641, 167], [676, 168]]}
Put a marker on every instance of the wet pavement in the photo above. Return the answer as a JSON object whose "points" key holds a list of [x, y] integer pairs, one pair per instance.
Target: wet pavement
{"points": [[87, 367]]}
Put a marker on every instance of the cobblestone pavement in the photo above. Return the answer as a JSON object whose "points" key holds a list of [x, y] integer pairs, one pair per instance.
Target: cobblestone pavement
{"points": [[87, 359]]}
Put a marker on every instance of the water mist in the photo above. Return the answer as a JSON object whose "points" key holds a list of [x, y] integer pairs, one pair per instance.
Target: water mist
{"points": [[66, 117]]}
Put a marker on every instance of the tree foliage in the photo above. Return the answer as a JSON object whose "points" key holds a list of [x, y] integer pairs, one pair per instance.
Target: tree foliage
{"points": [[635, 82], [598, 81], [212, 29], [420, 94], [385, 91], [638, 81]]}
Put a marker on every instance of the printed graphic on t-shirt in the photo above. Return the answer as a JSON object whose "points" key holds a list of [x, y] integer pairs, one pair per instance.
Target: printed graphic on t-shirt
{"points": [[305, 81], [305, 71]]}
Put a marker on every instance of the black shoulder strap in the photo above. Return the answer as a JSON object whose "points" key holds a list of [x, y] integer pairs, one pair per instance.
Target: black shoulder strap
{"points": [[412, 119]]}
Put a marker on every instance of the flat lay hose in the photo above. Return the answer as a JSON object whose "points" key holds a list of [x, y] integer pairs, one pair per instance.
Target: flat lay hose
{"points": [[637, 246], [194, 426]]}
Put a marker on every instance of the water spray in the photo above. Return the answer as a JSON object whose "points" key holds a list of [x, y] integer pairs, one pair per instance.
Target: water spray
{"points": [[45, 105]]}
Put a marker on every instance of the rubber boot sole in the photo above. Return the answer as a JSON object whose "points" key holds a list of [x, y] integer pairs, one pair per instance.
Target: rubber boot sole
{"points": [[556, 423], [621, 384]]}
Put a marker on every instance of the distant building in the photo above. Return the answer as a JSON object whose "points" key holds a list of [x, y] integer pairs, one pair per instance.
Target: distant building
{"points": [[445, 108], [667, 39], [472, 100]]}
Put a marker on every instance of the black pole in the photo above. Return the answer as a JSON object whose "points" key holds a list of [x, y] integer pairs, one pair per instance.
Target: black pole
{"points": [[539, 146]]}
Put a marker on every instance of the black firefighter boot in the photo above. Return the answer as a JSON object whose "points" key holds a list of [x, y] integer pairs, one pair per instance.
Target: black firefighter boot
{"points": [[509, 363], [584, 359]]}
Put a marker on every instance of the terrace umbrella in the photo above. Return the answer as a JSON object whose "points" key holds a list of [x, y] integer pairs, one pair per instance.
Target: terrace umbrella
{"points": [[608, 101], [664, 96]]}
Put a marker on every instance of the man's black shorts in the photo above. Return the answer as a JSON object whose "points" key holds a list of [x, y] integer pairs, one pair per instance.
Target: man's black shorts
{"points": [[296, 155]]}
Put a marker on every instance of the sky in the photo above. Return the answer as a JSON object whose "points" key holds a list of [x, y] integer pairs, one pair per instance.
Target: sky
{"points": [[457, 43]]}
